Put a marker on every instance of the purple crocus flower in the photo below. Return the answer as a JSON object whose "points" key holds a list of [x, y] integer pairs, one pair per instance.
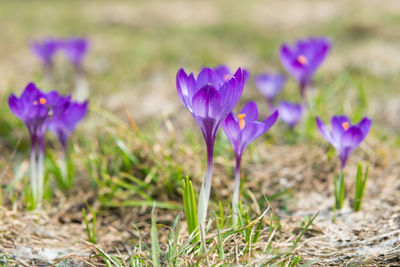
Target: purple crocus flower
{"points": [[75, 49], [45, 50], [344, 136], [209, 99], [241, 131], [290, 113], [32, 109], [269, 86], [224, 73], [35, 108], [303, 58], [65, 122]]}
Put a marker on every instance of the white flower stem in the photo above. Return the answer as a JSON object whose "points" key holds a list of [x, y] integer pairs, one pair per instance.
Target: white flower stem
{"points": [[40, 169], [205, 188], [236, 190], [33, 178]]}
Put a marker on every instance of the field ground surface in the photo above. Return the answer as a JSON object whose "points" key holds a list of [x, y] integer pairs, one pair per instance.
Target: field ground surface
{"points": [[138, 141]]}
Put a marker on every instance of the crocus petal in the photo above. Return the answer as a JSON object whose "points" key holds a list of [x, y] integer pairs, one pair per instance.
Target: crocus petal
{"points": [[14, 107], [232, 90], [30, 94], [290, 113], [250, 109], [326, 134], [338, 129], [350, 140], [223, 72], [352, 137], [252, 130], [186, 87], [246, 75], [206, 103], [270, 85], [365, 126], [321, 46], [63, 123], [208, 76], [76, 49], [270, 121], [45, 50], [231, 129], [75, 113]]}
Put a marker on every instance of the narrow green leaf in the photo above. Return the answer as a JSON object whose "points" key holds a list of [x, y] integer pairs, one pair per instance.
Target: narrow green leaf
{"points": [[155, 248], [258, 230], [220, 245], [304, 230], [86, 224]]}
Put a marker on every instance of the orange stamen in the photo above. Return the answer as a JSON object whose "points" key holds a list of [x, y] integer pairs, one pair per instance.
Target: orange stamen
{"points": [[42, 101], [302, 59], [241, 121], [226, 77], [345, 125], [35, 103]]}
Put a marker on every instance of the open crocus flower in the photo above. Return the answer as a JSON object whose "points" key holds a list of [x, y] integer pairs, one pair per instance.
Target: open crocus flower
{"points": [[290, 113], [303, 58], [209, 99], [344, 136], [32, 109], [224, 73], [36, 108], [241, 131], [269, 86], [75, 49], [65, 122]]}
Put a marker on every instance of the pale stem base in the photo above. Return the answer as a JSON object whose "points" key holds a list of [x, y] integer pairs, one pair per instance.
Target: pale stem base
{"points": [[205, 189], [33, 177], [236, 191], [40, 171]]}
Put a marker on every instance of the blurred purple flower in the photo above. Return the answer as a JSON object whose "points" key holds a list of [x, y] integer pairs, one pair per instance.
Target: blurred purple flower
{"points": [[241, 131], [45, 50], [344, 136], [224, 73], [290, 113], [303, 58], [33, 108], [75, 49], [36, 108], [64, 123], [209, 99], [270, 85]]}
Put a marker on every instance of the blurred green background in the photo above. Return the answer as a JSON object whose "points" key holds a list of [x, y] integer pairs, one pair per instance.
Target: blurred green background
{"points": [[136, 48]]}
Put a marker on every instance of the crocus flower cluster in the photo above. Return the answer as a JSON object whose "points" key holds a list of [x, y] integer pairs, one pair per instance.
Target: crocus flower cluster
{"points": [[344, 136], [209, 98], [74, 48], [241, 131], [41, 111], [303, 58]]}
